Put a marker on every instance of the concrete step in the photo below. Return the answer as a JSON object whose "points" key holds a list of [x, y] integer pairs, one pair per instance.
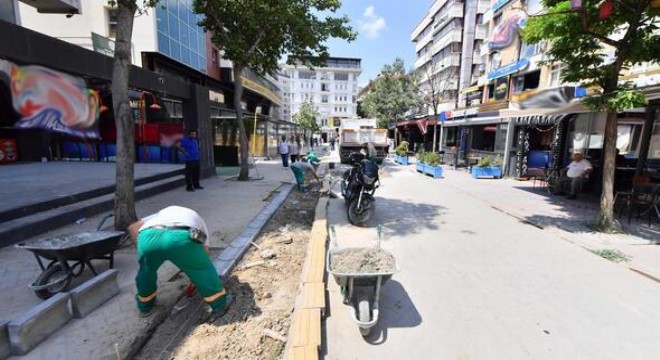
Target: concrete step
{"points": [[25, 227], [50, 204]]}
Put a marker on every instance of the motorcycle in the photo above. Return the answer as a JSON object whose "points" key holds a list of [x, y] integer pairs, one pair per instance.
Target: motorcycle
{"points": [[358, 186]]}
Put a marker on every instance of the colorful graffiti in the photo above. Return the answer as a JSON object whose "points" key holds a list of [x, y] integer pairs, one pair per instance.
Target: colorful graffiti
{"points": [[507, 30], [52, 100]]}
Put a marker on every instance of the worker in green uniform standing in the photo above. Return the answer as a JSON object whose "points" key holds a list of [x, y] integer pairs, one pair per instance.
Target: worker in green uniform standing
{"points": [[179, 235]]}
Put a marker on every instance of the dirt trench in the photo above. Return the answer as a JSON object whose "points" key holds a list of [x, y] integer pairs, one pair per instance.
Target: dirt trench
{"points": [[265, 296]]}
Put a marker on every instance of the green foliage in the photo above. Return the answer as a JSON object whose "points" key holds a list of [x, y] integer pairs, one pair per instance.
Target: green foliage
{"points": [[257, 33], [402, 149], [485, 161], [432, 159], [420, 155], [595, 51], [392, 94], [612, 255], [498, 161], [307, 116]]}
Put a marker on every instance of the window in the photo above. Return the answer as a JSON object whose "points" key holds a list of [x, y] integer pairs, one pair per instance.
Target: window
{"points": [[325, 87], [112, 22], [324, 99], [341, 76], [306, 74], [497, 19], [555, 74]]}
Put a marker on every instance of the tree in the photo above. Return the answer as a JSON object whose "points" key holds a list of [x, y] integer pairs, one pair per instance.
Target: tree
{"points": [[256, 33], [392, 94], [124, 202], [597, 41], [307, 116], [433, 83]]}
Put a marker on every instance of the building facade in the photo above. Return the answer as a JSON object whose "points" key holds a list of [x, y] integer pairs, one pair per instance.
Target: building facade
{"points": [[448, 41], [332, 88]]}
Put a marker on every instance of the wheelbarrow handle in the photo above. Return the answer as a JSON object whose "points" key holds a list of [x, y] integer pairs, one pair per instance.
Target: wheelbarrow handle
{"points": [[379, 230], [102, 222], [333, 236]]}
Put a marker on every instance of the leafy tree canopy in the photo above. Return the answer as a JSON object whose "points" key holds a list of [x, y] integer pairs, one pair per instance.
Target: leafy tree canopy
{"points": [[597, 46], [307, 117], [392, 93], [257, 33]]}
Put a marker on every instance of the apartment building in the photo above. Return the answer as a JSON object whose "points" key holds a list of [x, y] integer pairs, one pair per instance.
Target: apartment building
{"points": [[333, 88], [448, 41]]}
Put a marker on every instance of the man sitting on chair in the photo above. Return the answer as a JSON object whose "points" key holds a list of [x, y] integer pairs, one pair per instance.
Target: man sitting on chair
{"points": [[573, 176]]}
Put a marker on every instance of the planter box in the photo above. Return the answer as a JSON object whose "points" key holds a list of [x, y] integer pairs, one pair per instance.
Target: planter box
{"points": [[490, 172], [402, 160], [435, 171]]}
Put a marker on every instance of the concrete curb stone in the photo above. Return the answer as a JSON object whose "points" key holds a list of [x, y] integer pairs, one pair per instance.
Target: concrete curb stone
{"points": [[230, 256], [5, 349], [93, 293], [35, 325]]}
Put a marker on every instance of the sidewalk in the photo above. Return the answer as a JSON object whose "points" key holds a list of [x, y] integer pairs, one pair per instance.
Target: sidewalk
{"points": [[226, 205], [569, 219]]}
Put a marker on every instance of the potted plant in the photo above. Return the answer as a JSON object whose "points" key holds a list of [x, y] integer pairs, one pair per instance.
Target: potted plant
{"points": [[402, 153], [488, 168], [419, 165], [429, 163]]}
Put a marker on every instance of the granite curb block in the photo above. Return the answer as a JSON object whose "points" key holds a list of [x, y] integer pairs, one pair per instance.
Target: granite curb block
{"points": [[305, 332], [230, 256], [36, 324], [5, 349], [93, 293]]}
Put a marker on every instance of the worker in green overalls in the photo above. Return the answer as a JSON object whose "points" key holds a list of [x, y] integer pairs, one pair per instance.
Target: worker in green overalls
{"points": [[179, 235]]}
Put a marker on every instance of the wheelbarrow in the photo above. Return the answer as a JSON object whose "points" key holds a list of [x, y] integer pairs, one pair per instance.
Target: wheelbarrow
{"points": [[360, 291], [66, 257]]}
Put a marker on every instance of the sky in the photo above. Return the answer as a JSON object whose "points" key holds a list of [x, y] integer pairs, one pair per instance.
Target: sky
{"points": [[384, 28]]}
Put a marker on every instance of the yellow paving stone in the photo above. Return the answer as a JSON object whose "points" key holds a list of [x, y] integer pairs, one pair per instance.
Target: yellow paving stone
{"points": [[306, 329], [304, 353], [313, 296]]}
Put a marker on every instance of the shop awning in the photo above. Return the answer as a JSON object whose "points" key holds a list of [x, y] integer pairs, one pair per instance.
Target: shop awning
{"points": [[539, 119], [476, 121]]}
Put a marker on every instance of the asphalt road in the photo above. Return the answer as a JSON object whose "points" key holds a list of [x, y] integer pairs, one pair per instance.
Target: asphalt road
{"points": [[476, 283]]}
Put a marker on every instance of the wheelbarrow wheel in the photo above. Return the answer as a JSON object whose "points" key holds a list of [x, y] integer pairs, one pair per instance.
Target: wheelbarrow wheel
{"points": [[364, 314], [55, 275]]}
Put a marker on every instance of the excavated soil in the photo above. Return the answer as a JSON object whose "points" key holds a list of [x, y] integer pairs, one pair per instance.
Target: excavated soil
{"points": [[265, 291], [362, 261]]}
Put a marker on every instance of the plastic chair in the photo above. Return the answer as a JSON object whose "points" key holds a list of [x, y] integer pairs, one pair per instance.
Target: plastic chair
{"points": [[628, 194]]}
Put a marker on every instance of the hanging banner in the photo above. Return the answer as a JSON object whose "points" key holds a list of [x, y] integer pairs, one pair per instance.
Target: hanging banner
{"points": [[51, 100]]}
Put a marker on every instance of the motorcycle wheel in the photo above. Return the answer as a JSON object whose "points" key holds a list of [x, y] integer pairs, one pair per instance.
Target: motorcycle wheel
{"points": [[359, 218]]}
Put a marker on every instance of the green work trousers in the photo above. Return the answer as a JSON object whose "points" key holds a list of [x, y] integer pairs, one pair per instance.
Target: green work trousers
{"points": [[155, 246]]}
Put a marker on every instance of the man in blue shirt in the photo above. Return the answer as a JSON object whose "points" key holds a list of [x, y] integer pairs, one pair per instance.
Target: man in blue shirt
{"points": [[189, 146]]}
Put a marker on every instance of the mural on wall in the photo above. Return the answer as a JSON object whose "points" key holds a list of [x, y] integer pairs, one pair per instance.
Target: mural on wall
{"points": [[506, 32], [553, 98], [51, 100]]}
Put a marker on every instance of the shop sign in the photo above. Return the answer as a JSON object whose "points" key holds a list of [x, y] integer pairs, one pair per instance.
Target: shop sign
{"points": [[501, 88], [103, 45], [509, 69]]}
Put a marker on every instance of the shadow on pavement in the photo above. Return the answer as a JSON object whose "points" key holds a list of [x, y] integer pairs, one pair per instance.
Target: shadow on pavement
{"points": [[400, 217], [581, 215], [397, 310]]}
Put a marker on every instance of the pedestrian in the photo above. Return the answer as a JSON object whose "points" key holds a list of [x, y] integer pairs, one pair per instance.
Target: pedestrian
{"points": [[302, 170], [189, 146], [573, 176], [294, 149], [332, 144], [179, 235], [283, 149]]}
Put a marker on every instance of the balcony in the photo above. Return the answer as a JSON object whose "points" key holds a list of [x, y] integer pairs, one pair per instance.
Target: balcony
{"points": [[477, 58], [481, 32], [483, 7], [453, 35], [55, 6], [484, 49], [488, 15], [454, 59]]}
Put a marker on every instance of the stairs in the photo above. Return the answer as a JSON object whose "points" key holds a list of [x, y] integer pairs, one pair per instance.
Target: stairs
{"points": [[27, 221]]}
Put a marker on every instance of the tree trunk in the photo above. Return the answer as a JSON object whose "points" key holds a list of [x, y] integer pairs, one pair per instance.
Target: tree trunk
{"points": [[124, 206], [606, 221], [238, 94]]}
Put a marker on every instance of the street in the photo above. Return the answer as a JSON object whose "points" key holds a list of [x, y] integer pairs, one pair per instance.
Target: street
{"points": [[476, 283]]}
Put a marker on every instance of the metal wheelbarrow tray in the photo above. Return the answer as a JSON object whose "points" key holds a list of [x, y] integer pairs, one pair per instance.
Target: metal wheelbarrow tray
{"points": [[366, 315], [78, 248]]}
